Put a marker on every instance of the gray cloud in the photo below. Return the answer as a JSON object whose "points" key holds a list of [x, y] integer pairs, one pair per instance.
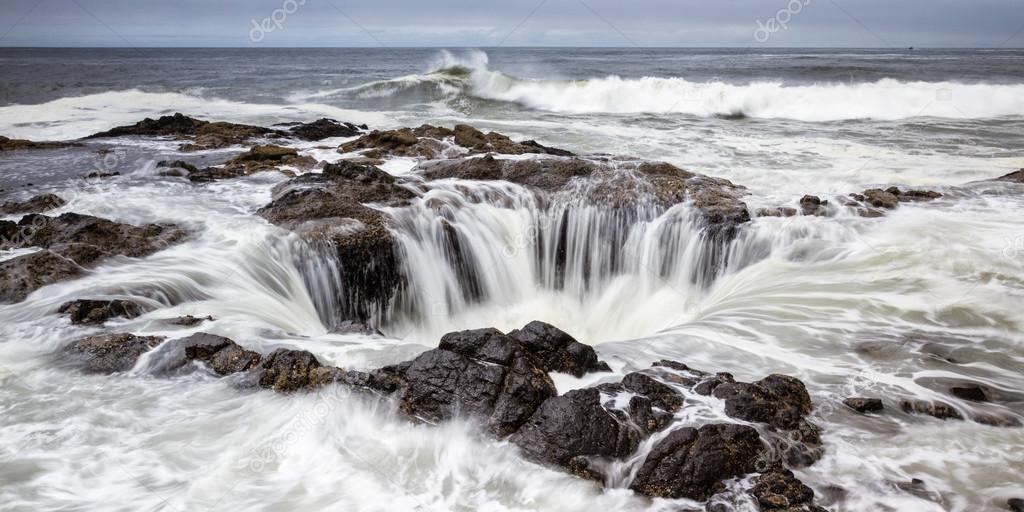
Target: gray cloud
{"points": [[864, 23]]}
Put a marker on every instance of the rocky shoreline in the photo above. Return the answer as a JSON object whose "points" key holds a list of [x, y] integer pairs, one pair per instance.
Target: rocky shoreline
{"points": [[500, 381]]}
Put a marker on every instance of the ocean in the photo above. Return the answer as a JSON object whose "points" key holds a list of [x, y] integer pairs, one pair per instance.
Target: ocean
{"points": [[901, 306]]}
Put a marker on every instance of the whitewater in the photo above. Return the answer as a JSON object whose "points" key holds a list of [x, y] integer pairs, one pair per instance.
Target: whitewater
{"points": [[901, 306]]}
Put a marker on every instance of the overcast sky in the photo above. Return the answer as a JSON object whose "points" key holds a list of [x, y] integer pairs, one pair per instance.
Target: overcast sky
{"points": [[473, 23]]}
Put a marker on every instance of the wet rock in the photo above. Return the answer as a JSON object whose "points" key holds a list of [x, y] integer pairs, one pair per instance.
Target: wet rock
{"points": [[973, 393], [693, 463], [813, 205], [257, 159], [864, 405], [287, 371], [781, 211], [110, 353], [778, 400], [481, 373], [97, 312], [568, 430], [905, 196], [176, 168], [221, 354], [780, 490], [940, 410], [71, 244], [425, 142], [1013, 177], [323, 128], [881, 199], [188, 320], [493, 142], [558, 351], [1015, 504], [660, 394], [22, 144], [350, 327], [201, 135], [328, 208], [37, 204]]}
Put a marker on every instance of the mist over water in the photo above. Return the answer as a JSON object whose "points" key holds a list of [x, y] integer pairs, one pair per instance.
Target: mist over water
{"points": [[901, 306]]}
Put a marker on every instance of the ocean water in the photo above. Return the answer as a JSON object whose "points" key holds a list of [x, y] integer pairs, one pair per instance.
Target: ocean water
{"points": [[900, 307]]}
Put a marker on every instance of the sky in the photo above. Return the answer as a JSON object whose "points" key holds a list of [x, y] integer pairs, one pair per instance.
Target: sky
{"points": [[469, 23]]}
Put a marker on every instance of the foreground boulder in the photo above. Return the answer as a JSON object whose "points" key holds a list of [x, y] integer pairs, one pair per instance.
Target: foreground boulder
{"points": [[97, 312], [558, 351], [693, 463], [37, 204], [70, 244], [110, 353]]}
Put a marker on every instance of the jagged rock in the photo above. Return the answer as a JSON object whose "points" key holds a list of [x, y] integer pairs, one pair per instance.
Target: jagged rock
{"points": [[37, 204], [110, 353], [328, 207], [568, 430], [779, 490], [257, 159], [905, 196], [202, 135], [971, 392], [880, 199], [692, 463], [661, 395], [221, 354], [425, 142], [97, 312], [558, 351], [323, 128], [72, 243], [22, 144], [864, 405], [481, 373]]}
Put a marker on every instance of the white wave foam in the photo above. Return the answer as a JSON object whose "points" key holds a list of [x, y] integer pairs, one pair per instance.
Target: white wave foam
{"points": [[79, 116]]}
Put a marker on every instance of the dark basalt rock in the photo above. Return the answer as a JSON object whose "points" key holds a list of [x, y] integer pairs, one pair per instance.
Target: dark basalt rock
{"points": [[37, 204], [864, 405], [880, 199], [324, 128], [328, 208], [940, 410], [219, 353], [1013, 177], [779, 490], [481, 373], [109, 353], [97, 312], [692, 463], [905, 196], [425, 142], [287, 371], [201, 135], [188, 320], [22, 144], [973, 393], [558, 351], [568, 430], [72, 243], [660, 394], [1015, 504]]}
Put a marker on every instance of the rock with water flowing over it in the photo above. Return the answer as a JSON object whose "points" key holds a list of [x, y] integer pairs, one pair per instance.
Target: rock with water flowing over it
{"points": [[864, 405], [109, 353], [257, 159], [482, 374], [328, 207], [692, 463], [7, 144], [935, 409], [98, 311], [1013, 177], [220, 354], [287, 371], [323, 128], [70, 244], [430, 142], [37, 204], [198, 134], [558, 351], [778, 490]]}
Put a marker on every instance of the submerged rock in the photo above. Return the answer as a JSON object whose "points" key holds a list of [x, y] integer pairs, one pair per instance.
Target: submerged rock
{"points": [[864, 405], [971, 392], [940, 410], [780, 490], [37, 204], [22, 144], [692, 463], [97, 311], [72, 243], [110, 353]]}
